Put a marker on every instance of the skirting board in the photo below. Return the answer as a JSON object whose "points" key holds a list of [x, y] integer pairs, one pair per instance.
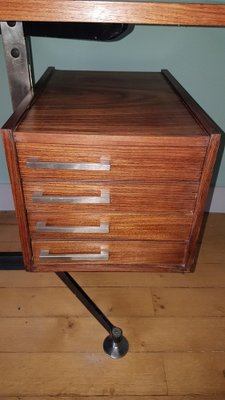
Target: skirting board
{"points": [[215, 203]]}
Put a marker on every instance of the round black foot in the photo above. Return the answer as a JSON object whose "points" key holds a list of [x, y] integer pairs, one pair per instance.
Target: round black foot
{"points": [[116, 345]]}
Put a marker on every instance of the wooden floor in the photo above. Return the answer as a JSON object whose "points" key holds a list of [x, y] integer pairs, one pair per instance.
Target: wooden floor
{"points": [[51, 349]]}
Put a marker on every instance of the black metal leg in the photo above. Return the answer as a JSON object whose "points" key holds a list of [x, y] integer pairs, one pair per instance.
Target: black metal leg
{"points": [[11, 261], [115, 344]]}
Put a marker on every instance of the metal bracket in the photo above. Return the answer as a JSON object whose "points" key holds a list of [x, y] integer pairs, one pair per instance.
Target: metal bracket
{"points": [[18, 60], [19, 68]]}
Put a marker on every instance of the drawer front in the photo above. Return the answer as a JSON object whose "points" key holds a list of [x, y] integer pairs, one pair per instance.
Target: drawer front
{"points": [[97, 254], [127, 226], [63, 197], [104, 163]]}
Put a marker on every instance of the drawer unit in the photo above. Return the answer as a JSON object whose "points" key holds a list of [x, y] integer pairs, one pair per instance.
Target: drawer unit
{"points": [[110, 172]]}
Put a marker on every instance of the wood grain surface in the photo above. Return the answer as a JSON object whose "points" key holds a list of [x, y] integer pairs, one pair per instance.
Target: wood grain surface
{"points": [[201, 199], [48, 302], [77, 397], [129, 255], [127, 163], [76, 373], [126, 197], [202, 377], [204, 119], [140, 103], [15, 179], [90, 138], [50, 334], [115, 11], [139, 226]]}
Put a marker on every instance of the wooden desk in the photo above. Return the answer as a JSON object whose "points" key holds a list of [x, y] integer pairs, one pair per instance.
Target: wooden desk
{"points": [[131, 12], [124, 12]]}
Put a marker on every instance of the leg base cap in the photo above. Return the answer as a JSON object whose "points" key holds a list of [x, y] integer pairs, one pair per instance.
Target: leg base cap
{"points": [[115, 350]]}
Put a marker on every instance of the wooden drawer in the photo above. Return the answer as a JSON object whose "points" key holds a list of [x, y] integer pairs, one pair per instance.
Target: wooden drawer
{"points": [[127, 226], [107, 163], [97, 255], [64, 197]]}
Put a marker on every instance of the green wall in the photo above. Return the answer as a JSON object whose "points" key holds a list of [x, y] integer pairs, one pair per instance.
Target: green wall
{"points": [[5, 110], [196, 56]]}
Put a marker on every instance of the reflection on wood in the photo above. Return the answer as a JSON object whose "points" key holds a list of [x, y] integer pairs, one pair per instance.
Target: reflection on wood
{"points": [[132, 12]]}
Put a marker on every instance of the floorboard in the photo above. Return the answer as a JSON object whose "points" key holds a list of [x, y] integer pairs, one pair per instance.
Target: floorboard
{"points": [[72, 334], [81, 373], [51, 348]]}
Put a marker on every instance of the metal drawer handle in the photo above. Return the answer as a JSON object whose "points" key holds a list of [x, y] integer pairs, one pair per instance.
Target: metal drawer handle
{"points": [[102, 228], [46, 256], [104, 198], [104, 165]]}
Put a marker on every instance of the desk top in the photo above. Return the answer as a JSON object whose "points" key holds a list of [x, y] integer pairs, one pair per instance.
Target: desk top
{"points": [[133, 12]]}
